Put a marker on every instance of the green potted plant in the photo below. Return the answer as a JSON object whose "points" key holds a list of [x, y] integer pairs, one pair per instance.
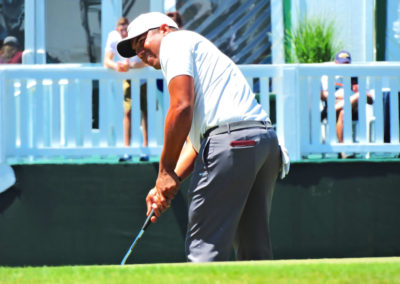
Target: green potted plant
{"points": [[312, 41]]}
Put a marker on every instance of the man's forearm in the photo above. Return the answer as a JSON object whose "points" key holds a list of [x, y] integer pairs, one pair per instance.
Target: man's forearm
{"points": [[109, 60], [177, 126], [178, 120], [185, 163]]}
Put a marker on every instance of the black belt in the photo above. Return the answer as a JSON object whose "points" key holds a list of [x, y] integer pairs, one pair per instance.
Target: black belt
{"points": [[234, 126]]}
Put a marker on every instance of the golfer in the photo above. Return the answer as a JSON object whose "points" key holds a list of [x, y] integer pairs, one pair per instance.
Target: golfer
{"points": [[232, 152]]}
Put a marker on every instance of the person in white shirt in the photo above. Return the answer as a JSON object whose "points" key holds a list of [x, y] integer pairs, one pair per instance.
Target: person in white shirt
{"points": [[232, 153], [113, 61]]}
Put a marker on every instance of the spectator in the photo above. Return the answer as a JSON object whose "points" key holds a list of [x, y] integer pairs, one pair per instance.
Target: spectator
{"points": [[10, 51], [113, 61], [342, 57], [177, 18]]}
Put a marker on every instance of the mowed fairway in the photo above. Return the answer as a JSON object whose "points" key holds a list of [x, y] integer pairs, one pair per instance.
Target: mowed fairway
{"points": [[357, 270]]}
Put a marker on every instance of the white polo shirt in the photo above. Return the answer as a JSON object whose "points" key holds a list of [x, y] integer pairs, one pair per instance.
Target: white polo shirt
{"points": [[222, 94]]}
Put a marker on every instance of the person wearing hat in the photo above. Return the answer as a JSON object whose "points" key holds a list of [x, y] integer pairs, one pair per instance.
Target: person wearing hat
{"points": [[113, 61], [342, 57], [233, 154], [10, 53]]}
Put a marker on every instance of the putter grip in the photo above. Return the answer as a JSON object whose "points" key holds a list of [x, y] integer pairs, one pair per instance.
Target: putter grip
{"points": [[148, 222]]}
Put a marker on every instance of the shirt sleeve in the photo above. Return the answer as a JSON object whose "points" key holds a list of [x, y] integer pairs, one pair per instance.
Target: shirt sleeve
{"points": [[176, 57], [111, 43]]}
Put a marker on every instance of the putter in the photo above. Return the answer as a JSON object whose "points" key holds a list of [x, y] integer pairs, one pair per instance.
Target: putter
{"points": [[145, 225]]}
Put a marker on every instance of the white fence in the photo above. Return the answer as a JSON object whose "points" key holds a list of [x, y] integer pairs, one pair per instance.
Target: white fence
{"points": [[47, 110], [365, 135]]}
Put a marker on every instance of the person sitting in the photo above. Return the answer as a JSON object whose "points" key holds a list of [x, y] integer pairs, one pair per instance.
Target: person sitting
{"points": [[342, 57], [10, 52]]}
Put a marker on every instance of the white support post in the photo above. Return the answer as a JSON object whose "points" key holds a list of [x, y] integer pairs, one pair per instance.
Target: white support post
{"points": [[169, 5], [35, 32], [111, 12], [28, 56], [287, 110], [40, 31], [157, 6], [7, 177], [368, 30], [277, 31], [298, 12]]}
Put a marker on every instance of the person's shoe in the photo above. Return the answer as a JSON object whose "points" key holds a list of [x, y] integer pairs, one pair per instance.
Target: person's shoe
{"points": [[343, 155], [144, 158], [125, 158]]}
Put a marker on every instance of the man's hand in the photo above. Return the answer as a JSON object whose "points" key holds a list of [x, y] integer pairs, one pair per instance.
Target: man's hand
{"points": [[152, 202], [177, 125], [167, 184], [159, 198], [122, 66]]}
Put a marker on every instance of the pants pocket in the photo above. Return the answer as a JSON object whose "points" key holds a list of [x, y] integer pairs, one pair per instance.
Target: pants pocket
{"points": [[243, 143]]}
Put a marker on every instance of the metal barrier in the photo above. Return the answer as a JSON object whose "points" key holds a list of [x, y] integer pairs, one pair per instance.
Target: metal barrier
{"points": [[48, 110]]}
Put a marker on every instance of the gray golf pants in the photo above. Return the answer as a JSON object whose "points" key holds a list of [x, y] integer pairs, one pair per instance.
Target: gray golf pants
{"points": [[230, 196]]}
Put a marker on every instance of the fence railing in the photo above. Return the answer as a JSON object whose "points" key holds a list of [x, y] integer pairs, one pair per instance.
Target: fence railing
{"points": [[77, 110], [374, 129]]}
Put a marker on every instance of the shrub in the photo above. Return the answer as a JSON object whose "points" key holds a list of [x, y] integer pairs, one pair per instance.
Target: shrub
{"points": [[312, 41]]}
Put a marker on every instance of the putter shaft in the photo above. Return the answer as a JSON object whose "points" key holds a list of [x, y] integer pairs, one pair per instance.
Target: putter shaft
{"points": [[144, 227]]}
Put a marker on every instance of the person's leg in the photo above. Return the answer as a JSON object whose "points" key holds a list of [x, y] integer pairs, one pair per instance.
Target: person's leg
{"points": [[340, 114], [339, 126], [143, 112], [127, 127], [221, 181], [144, 131], [127, 112], [252, 240]]}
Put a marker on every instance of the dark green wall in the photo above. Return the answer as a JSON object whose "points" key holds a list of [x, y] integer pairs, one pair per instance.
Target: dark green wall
{"points": [[338, 209], [89, 214], [380, 29]]}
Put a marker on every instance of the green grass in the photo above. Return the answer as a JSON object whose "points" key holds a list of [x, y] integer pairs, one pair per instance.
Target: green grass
{"points": [[368, 270]]}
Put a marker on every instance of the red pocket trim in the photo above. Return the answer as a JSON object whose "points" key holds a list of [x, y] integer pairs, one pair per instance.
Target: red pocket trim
{"points": [[243, 143]]}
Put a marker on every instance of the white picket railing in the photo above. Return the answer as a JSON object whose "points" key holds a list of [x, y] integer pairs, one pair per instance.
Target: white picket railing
{"points": [[46, 110], [49, 111], [366, 135]]}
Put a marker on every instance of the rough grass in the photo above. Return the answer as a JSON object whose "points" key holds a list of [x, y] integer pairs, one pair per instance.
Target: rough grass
{"points": [[369, 270]]}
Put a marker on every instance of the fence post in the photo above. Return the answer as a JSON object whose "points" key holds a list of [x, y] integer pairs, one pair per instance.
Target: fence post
{"points": [[109, 19], [287, 110], [35, 32], [7, 177]]}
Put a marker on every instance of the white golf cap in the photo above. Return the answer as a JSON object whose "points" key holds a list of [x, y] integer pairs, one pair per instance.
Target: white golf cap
{"points": [[139, 26], [10, 40]]}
